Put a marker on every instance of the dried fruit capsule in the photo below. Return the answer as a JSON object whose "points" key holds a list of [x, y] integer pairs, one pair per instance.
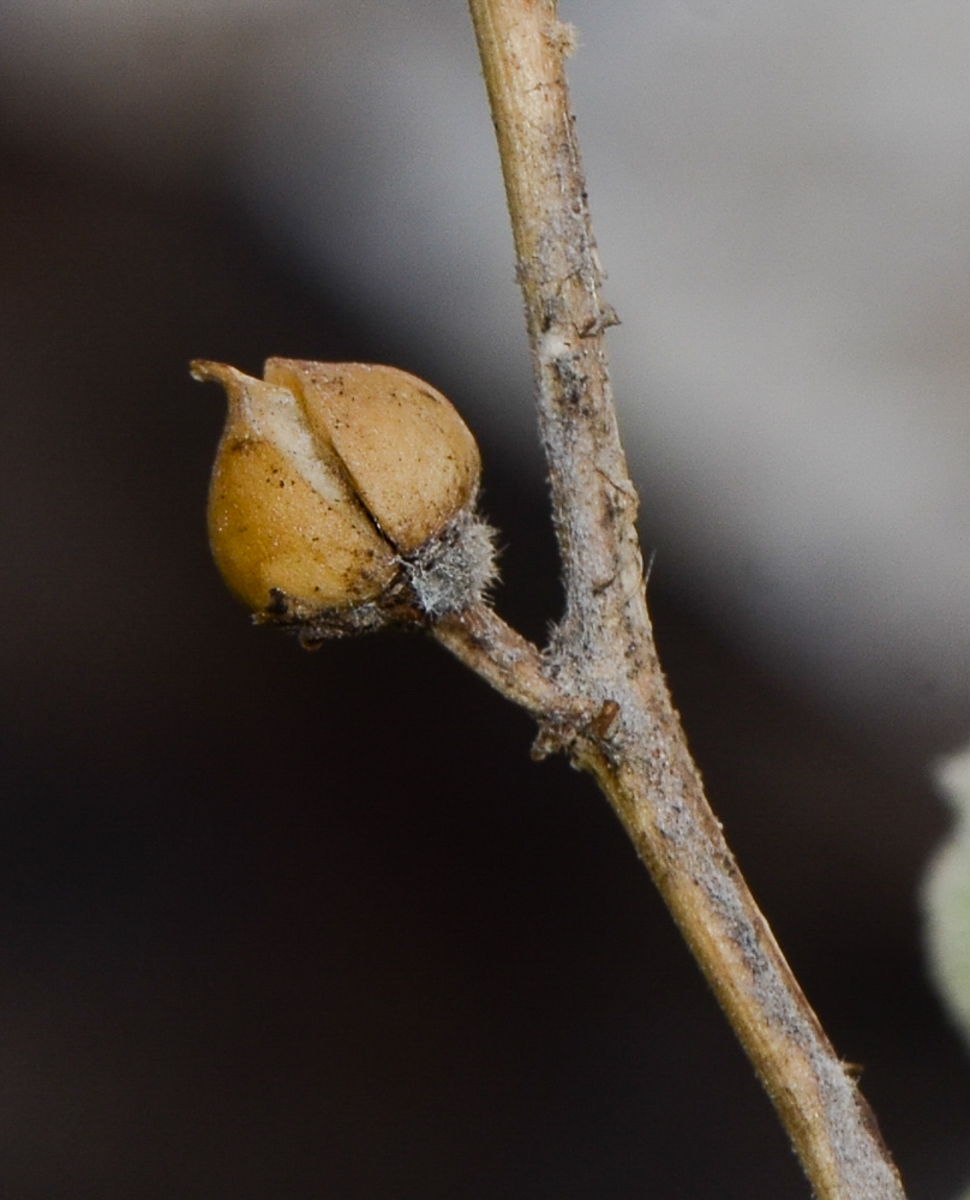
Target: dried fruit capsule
{"points": [[343, 494]]}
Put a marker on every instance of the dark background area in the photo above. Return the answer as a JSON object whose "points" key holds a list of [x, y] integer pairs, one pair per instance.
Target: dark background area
{"points": [[289, 925]]}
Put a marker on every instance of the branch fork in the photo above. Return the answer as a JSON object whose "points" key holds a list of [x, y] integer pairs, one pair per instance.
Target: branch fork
{"points": [[597, 691]]}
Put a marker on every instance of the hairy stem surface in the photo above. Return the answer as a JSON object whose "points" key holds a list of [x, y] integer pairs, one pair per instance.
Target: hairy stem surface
{"points": [[599, 692]]}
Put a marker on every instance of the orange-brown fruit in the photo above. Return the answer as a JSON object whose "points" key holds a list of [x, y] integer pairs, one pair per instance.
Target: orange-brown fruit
{"points": [[327, 478]]}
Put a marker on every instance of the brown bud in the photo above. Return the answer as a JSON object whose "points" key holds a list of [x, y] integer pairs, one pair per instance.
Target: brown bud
{"points": [[343, 491]]}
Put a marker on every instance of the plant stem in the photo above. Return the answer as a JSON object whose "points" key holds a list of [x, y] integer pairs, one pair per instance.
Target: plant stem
{"points": [[598, 692]]}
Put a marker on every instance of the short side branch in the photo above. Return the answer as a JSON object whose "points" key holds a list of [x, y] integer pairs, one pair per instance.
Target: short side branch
{"points": [[510, 663]]}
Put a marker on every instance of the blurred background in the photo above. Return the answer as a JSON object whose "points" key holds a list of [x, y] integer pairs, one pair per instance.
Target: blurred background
{"points": [[289, 925]]}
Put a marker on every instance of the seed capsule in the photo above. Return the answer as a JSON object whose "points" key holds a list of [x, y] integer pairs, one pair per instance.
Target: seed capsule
{"points": [[335, 487]]}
